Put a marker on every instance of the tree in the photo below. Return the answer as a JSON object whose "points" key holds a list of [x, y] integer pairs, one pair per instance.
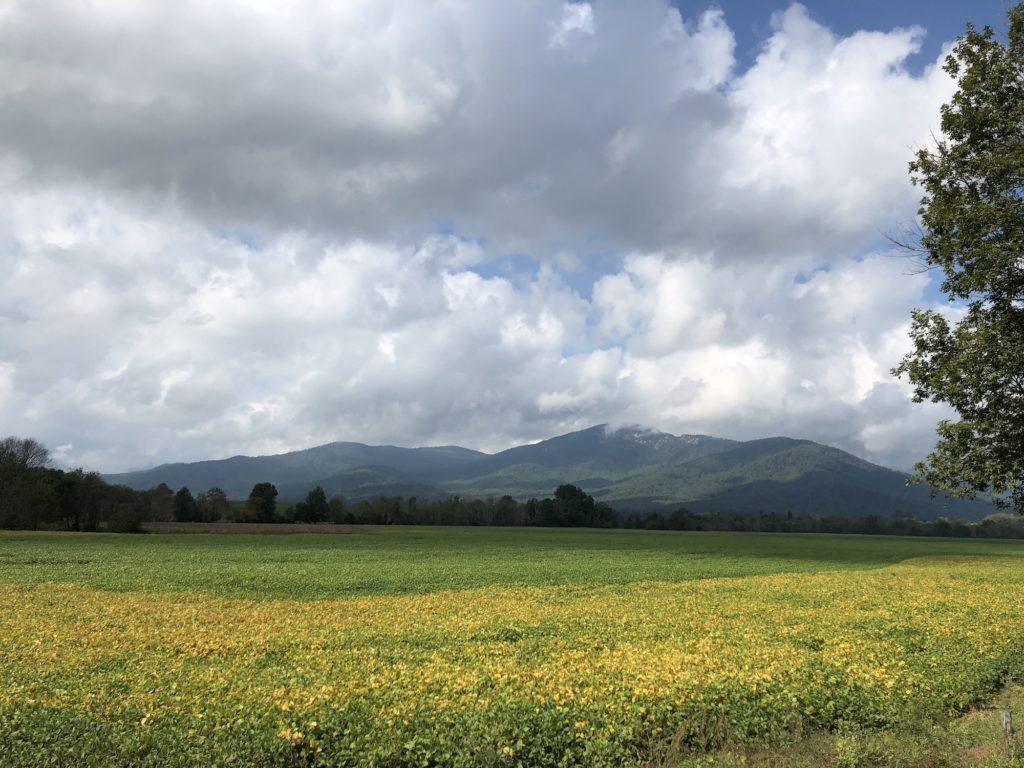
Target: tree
{"points": [[160, 502], [33, 494], [316, 505], [574, 505], [78, 495], [23, 485], [314, 509], [505, 511], [83, 500], [972, 216], [185, 508], [24, 452], [213, 505], [336, 512], [262, 503], [127, 510], [605, 516]]}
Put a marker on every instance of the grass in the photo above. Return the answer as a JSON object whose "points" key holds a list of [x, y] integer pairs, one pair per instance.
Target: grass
{"points": [[505, 647], [975, 740]]}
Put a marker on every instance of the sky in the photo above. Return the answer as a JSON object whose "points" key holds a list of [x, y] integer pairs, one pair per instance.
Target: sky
{"points": [[249, 227]]}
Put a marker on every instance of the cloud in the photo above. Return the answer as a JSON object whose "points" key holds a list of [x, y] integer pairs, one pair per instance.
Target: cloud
{"points": [[794, 356], [253, 227], [237, 349], [577, 21], [825, 127], [364, 118], [135, 356]]}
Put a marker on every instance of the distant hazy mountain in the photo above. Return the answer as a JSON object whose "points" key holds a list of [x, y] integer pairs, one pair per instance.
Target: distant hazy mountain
{"points": [[628, 468], [298, 471]]}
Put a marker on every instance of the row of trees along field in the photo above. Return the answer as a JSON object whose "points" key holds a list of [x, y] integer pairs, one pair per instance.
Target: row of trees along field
{"points": [[569, 506], [33, 495]]}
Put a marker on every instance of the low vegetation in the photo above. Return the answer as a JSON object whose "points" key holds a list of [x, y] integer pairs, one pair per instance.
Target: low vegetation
{"points": [[489, 647]]}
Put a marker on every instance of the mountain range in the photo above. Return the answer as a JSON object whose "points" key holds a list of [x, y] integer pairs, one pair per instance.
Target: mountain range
{"points": [[629, 468]]}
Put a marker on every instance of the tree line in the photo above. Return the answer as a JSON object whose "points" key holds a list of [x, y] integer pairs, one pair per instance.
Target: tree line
{"points": [[34, 495], [569, 506], [999, 526]]}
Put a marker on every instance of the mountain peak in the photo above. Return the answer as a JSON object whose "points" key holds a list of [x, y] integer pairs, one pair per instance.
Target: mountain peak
{"points": [[628, 466]]}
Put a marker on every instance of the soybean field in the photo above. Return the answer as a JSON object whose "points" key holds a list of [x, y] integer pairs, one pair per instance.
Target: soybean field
{"points": [[476, 646]]}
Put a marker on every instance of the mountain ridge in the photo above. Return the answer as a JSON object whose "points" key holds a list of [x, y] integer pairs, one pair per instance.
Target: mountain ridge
{"points": [[629, 468]]}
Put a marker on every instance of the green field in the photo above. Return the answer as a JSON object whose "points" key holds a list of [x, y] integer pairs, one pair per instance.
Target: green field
{"points": [[445, 646], [394, 560]]}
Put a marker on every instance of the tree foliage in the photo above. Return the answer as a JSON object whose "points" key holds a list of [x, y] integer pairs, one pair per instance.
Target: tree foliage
{"points": [[23, 492], [186, 510], [24, 452], [262, 503], [972, 213], [213, 504], [35, 495], [315, 509]]}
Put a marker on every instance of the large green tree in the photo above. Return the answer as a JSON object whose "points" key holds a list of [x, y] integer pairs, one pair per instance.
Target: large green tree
{"points": [[262, 503], [23, 488], [316, 505], [185, 508], [972, 216]]}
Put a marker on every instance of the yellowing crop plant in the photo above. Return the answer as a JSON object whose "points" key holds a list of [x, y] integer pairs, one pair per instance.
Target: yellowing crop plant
{"points": [[569, 674]]}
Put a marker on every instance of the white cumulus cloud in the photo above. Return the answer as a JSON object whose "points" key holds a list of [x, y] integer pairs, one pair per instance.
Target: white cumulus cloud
{"points": [[247, 227]]}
